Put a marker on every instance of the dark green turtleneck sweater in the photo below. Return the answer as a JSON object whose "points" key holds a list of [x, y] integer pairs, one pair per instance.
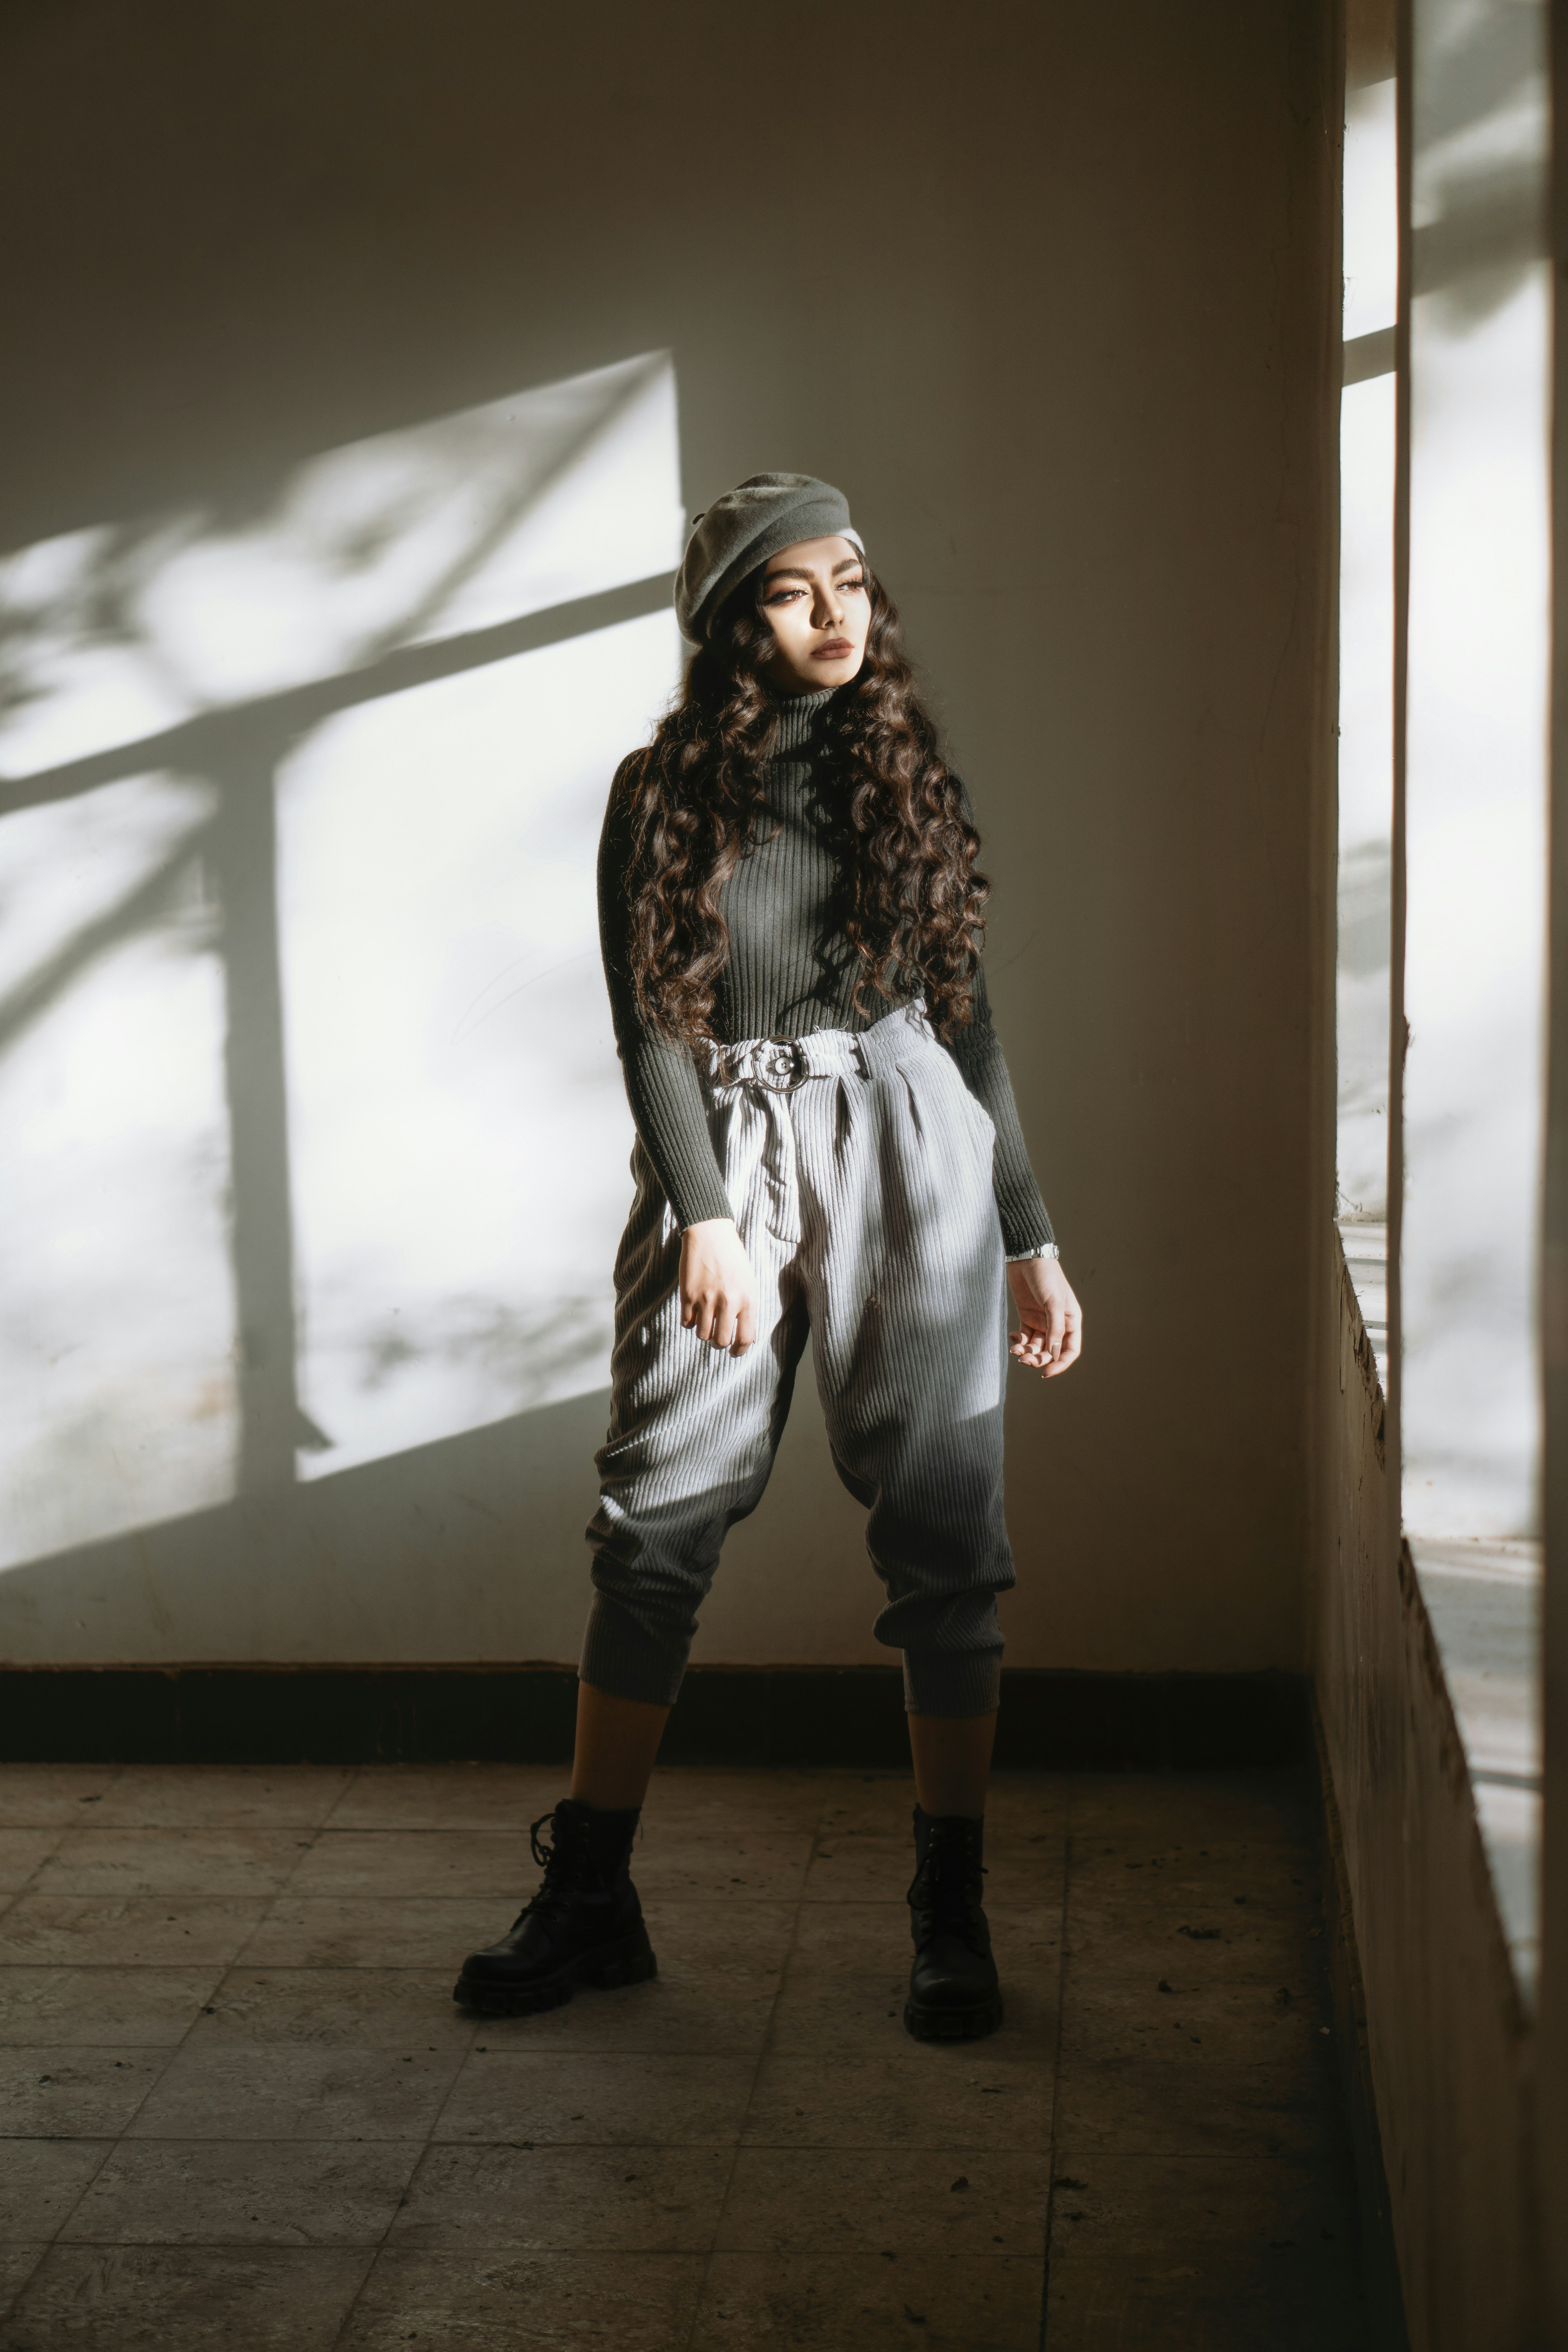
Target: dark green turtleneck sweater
{"points": [[790, 970]]}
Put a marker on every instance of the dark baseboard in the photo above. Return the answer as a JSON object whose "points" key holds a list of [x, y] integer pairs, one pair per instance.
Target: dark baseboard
{"points": [[727, 1714]]}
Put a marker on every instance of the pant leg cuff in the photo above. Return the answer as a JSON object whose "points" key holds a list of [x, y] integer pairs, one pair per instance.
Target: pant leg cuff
{"points": [[953, 1682], [621, 1658]]}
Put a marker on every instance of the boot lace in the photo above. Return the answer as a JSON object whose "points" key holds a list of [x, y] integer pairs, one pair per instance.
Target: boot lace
{"points": [[562, 1869], [947, 1898]]}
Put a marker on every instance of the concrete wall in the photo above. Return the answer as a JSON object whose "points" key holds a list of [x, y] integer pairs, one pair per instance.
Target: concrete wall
{"points": [[1049, 290], [1448, 2043]]}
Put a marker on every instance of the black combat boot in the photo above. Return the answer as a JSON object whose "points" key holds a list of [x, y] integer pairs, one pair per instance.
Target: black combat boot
{"points": [[953, 1992], [584, 1927]]}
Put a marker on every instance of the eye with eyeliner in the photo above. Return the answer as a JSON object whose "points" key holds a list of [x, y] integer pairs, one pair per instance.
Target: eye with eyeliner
{"points": [[781, 595]]}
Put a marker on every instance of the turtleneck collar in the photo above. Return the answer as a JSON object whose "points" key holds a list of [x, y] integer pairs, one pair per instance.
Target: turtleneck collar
{"points": [[798, 716]]}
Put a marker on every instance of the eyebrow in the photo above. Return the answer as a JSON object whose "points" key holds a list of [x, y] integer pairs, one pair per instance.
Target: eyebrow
{"points": [[797, 571]]}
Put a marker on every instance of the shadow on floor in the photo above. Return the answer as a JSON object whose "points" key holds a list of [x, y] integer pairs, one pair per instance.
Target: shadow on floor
{"points": [[239, 2102]]}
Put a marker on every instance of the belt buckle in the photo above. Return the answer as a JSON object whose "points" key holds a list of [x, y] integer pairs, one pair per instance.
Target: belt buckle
{"points": [[781, 1065]]}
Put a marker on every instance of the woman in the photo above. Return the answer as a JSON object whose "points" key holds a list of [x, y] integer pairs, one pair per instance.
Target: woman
{"points": [[827, 1142]]}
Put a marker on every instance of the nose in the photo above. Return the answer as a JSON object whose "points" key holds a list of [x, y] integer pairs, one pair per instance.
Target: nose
{"points": [[830, 610]]}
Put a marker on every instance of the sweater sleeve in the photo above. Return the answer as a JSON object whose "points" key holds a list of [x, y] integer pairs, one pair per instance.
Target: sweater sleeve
{"points": [[978, 1050], [662, 1085]]}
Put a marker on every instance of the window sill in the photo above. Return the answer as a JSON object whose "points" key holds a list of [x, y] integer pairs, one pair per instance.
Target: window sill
{"points": [[1365, 1244], [1482, 1599], [1483, 1602]]}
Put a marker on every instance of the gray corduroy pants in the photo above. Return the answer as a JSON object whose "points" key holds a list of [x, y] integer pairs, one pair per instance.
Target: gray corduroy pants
{"points": [[860, 1170]]}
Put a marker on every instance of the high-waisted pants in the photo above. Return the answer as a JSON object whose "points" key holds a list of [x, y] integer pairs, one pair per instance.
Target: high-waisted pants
{"points": [[860, 1170]]}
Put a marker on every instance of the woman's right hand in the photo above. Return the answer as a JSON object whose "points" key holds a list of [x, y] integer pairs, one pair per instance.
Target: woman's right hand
{"points": [[719, 1297]]}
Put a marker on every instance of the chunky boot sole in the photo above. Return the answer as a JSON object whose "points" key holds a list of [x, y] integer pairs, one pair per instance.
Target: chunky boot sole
{"points": [[628, 1960], [953, 2024]]}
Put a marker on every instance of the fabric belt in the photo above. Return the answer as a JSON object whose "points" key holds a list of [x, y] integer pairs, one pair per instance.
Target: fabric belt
{"points": [[782, 1064]]}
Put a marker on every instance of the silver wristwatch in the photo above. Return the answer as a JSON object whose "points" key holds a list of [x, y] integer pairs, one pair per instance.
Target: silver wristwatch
{"points": [[1020, 1257]]}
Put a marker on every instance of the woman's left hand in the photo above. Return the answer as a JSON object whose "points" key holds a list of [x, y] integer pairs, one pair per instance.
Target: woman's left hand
{"points": [[1052, 1320]]}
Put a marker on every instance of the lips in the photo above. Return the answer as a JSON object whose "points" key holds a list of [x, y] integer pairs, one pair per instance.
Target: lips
{"points": [[834, 650]]}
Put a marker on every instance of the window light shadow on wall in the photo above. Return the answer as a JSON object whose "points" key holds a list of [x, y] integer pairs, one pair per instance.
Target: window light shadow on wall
{"points": [[316, 1140]]}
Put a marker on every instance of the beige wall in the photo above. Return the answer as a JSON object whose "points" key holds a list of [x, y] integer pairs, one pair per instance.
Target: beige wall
{"points": [[1048, 289]]}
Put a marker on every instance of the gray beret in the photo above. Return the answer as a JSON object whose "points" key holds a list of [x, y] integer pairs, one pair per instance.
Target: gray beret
{"points": [[743, 529]]}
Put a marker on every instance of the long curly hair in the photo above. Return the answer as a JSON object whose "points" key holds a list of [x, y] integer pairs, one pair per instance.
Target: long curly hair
{"points": [[914, 904]]}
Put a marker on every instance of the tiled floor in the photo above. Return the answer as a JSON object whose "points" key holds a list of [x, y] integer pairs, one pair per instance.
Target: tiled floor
{"points": [[239, 2107]]}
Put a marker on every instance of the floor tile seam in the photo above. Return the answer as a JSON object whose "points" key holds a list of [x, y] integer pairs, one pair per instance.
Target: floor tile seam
{"points": [[468, 2244], [9, 2303], [338, 1895], [900, 2144], [129, 2142], [617, 2147], [997, 2256], [179, 1895], [670, 2048], [1301, 2158], [306, 1847], [372, 2255], [419, 2149], [15, 1893], [144, 1893], [465, 2056], [20, 2048], [764, 2050], [996, 1907], [971, 2052], [531, 2248], [1266, 2071], [138, 1827], [327, 1967], [168, 2053], [679, 1899], [676, 2254], [237, 1958], [106, 2142], [1063, 1942], [122, 2142], [376, 2252], [92, 1968], [411, 2137], [351, 1781], [1316, 2152], [596, 2146], [228, 2245], [667, 2045]]}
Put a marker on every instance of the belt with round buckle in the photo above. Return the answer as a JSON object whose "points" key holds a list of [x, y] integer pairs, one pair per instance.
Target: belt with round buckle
{"points": [[781, 1065]]}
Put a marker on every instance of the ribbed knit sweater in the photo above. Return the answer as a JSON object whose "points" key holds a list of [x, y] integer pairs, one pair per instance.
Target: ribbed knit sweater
{"points": [[790, 970]]}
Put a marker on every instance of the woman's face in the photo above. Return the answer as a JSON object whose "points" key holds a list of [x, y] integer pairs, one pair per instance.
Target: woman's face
{"points": [[816, 598]]}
